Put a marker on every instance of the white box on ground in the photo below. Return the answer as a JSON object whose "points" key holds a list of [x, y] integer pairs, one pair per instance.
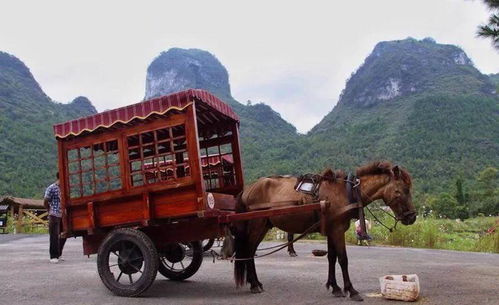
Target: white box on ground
{"points": [[400, 287]]}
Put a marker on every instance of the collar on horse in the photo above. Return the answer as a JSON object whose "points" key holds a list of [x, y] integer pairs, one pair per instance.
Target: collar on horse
{"points": [[310, 184], [353, 189], [355, 198]]}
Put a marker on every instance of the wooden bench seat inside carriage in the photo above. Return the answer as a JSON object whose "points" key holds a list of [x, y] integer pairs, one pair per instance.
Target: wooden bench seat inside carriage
{"points": [[167, 158]]}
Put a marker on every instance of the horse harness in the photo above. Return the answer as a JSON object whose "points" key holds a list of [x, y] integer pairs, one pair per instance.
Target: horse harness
{"points": [[310, 184], [355, 198]]}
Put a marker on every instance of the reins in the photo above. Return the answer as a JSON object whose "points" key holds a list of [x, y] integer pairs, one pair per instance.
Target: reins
{"points": [[381, 223], [217, 256], [356, 185]]}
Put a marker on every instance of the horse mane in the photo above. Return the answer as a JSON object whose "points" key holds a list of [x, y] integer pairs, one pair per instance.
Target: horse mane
{"points": [[382, 168], [375, 168]]}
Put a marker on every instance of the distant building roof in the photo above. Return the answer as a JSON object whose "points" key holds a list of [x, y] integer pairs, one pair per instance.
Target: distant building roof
{"points": [[24, 202]]}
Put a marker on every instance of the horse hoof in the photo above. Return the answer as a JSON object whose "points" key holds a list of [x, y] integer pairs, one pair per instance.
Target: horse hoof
{"points": [[256, 289], [293, 254], [338, 293], [356, 297]]}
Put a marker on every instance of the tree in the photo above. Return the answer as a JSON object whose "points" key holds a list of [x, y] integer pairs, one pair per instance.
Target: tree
{"points": [[487, 191], [491, 30], [462, 199], [488, 180], [445, 205]]}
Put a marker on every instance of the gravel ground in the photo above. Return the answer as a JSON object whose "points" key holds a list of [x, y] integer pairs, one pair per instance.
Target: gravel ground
{"points": [[446, 277]]}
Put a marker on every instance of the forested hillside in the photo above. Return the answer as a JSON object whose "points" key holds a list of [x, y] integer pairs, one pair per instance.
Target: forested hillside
{"points": [[418, 103], [27, 145], [495, 80]]}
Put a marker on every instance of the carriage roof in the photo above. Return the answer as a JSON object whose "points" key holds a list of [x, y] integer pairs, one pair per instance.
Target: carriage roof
{"points": [[209, 109]]}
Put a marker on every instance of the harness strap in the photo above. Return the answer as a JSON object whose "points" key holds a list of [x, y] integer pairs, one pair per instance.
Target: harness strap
{"points": [[355, 197], [311, 229], [275, 204]]}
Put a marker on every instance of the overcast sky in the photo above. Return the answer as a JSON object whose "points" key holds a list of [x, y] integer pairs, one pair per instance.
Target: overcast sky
{"points": [[292, 55]]}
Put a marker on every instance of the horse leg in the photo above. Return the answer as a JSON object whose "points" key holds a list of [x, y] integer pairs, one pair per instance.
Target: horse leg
{"points": [[341, 252], [241, 249], [291, 248], [259, 229], [331, 279]]}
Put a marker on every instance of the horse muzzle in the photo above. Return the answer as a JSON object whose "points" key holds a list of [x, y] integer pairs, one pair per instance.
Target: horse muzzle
{"points": [[408, 218]]}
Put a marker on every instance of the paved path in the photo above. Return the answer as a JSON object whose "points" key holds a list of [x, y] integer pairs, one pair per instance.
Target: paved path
{"points": [[447, 277]]}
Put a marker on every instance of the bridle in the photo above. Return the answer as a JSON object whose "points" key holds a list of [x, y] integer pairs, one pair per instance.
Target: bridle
{"points": [[356, 194], [311, 183]]}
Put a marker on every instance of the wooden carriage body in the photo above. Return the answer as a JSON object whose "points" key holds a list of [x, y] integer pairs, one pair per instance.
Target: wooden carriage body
{"points": [[150, 165]]}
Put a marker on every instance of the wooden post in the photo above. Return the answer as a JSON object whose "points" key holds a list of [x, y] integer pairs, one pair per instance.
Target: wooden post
{"points": [[12, 212], [91, 218], [64, 187], [191, 134], [236, 155], [124, 162], [19, 223], [147, 208]]}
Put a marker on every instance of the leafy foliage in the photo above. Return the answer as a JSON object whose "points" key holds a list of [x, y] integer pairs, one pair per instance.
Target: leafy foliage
{"points": [[491, 29], [27, 145]]}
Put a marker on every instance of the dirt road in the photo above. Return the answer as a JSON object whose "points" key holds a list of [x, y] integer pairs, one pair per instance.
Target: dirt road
{"points": [[446, 277]]}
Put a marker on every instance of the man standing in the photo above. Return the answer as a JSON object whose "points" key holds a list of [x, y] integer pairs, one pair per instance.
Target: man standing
{"points": [[52, 203]]}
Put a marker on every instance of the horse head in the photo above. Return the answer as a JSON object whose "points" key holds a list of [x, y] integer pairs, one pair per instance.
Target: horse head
{"points": [[394, 190]]}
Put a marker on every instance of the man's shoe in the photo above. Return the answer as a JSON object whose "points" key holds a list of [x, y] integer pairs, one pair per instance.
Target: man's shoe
{"points": [[54, 260]]}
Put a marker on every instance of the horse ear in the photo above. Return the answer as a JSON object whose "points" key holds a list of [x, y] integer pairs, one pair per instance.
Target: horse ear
{"points": [[329, 175], [396, 171]]}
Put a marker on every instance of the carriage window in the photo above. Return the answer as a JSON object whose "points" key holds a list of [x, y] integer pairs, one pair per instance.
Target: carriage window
{"points": [[158, 155], [216, 160], [94, 169]]}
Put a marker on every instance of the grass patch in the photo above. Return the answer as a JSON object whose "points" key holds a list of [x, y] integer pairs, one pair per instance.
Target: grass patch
{"points": [[432, 233], [27, 227]]}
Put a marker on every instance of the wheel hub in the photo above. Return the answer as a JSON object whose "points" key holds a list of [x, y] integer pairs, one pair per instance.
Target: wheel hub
{"points": [[175, 253], [130, 261]]}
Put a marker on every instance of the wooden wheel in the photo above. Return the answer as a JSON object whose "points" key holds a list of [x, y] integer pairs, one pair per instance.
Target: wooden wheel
{"points": [[207, 244], [180, 261], [127, 262]]}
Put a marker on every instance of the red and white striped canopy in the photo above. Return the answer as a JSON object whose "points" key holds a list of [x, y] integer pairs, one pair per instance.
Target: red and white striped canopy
{"points": [[212, 106]]}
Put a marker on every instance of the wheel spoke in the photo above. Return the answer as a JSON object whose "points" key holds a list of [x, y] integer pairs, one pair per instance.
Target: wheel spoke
{"points": [[114, 252], [113, 265], [130, 278], [182, 264], [134, 259], [137, 269], [119, 276]]}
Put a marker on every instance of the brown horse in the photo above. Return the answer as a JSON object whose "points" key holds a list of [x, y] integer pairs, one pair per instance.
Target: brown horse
{"points": [[378, 180]]}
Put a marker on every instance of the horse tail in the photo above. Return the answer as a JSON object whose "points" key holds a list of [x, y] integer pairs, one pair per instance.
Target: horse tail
{"points": [[240, 246]]}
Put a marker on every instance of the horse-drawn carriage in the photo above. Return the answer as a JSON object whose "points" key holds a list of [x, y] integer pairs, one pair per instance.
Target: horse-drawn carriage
{"points": [[143, 184]]}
